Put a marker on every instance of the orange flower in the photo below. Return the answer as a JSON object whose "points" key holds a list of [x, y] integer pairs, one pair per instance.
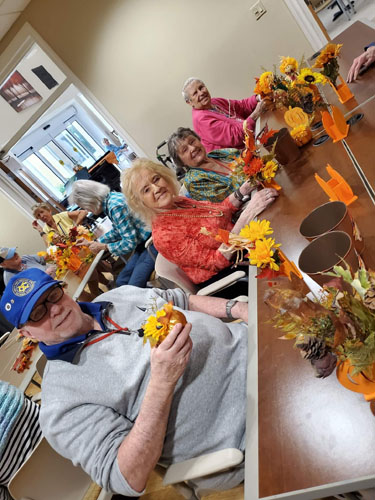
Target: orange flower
{"points": [[253, 167]]}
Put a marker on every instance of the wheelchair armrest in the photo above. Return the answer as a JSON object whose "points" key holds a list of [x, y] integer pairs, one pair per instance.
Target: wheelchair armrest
{"points": [[222, 283], [203, 465]]}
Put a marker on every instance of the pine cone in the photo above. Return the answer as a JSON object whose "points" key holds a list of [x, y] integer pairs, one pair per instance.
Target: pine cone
{"points": [[369, 298], [312, 348], [307, 103]]}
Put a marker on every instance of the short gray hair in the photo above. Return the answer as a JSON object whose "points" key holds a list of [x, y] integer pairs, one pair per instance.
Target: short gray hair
{"points": [[174, 141], [188, 82], [89, 195]]}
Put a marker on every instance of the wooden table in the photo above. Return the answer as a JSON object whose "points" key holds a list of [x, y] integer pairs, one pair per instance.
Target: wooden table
{"points": [[308, 438]]}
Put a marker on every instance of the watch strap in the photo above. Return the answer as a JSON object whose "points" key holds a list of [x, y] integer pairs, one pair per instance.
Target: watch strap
{"points": [[228, 308]]}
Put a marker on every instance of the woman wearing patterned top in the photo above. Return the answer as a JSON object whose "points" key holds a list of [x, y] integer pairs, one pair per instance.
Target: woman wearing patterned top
{"points": [[152, 191], [127, 235], [19, 433], [209, 176]]}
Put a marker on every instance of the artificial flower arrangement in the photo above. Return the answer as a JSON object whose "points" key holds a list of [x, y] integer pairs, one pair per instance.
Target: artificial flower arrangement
{"points": [[328, 63], [253, 243], [23, 360], [337, 328], [294, 87], [158, 326], [250, 165], [64, 252]]}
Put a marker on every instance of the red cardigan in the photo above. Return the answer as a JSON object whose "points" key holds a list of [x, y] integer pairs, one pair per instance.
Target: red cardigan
{"points": [[179, 239]]}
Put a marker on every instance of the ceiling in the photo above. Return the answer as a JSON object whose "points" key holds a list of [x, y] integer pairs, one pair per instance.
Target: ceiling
{"points": [[9, 11]]}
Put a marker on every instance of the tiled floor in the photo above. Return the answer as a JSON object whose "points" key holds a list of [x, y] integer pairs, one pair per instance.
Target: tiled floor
{"points": [[365, 12]]}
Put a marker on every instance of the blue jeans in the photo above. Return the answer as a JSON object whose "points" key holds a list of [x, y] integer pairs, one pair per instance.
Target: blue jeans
{"points": [[138, 268]]}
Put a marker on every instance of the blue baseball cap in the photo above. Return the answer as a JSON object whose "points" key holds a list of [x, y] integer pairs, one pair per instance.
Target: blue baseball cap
{"points": [[22, 292], [6, 253]]}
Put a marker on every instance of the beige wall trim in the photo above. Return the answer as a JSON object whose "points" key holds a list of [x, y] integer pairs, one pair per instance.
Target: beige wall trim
{"points": [[307, 23]]}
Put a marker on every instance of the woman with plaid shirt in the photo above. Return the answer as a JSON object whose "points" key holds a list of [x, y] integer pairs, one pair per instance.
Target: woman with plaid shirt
{"points": [[127, 235]]}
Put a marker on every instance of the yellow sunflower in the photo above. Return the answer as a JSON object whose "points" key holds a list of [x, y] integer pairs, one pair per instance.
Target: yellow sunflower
{"points": [[331, 51], [288, 65], [269, 170], [306, 76], [262, 254], [256, 229], [265, 82], [153, 330]]}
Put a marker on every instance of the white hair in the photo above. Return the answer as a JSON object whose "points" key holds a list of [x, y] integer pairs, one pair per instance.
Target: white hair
{"points": [[188, 82], [89, 195]]}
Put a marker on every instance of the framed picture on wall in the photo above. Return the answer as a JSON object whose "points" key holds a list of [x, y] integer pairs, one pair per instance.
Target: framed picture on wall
{"points": [[18, 92]]}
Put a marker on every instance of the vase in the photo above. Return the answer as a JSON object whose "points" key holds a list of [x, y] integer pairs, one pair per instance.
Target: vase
{"points": [[323, 253], [360, 383], [286, 150], [342, 90], [332, 216]]}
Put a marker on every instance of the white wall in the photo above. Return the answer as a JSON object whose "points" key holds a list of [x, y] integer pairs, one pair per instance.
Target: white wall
{"points": [[134, 55]]}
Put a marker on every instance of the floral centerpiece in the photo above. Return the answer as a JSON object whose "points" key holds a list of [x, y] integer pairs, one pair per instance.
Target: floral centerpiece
{"points": [[327, 61], [251, 165], [253, 243], [296, 86], [65, 253], [328, 64], [337, 328]]}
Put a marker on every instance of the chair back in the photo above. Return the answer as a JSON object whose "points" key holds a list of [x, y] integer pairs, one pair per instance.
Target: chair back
{"points": [[47, 475], [172, 273], [40, 365]]}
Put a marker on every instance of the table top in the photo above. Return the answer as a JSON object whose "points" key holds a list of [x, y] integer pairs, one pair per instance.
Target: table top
{"points": [[310, 437]]}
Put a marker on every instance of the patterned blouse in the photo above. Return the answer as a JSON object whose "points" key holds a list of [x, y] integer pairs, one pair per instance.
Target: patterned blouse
{"points": [[127, 231], [211, 186], [176, 235]]}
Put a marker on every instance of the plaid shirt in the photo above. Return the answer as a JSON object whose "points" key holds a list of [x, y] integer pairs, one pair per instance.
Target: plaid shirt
{"points": [[127, 231]]}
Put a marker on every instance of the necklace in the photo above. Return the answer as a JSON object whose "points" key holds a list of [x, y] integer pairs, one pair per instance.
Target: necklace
{"points": [[210, 214], [216, 109]]}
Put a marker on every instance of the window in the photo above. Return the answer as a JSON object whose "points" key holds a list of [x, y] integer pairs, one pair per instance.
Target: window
{"points": [[42, 173], [85, 139]]}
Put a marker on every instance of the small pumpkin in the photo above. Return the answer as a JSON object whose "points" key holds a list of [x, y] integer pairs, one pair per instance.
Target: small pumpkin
{"points": [[157, 327], [301, 135], [295, 117]]}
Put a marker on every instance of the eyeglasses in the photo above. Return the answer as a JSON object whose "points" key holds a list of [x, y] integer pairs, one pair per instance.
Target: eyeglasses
{"points": [[41, 309]]}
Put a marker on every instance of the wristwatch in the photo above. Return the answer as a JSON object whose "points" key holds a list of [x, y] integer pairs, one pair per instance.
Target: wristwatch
{"points": [[240, 197], [228, 308]]}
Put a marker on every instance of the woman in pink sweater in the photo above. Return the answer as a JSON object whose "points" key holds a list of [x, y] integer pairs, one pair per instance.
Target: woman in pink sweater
{"points": [[219, 122]]}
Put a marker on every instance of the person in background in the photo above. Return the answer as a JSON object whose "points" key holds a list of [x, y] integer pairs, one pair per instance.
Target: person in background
{"points": [[118, 150], [124, 406], [217, 121], [208, 176], [362, 61], [19, 432], [152, 192], [60, 223], [12, 263], [127, 235]]}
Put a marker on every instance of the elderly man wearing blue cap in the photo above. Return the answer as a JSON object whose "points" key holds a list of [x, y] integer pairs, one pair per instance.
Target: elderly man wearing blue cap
{"points": [[13, 263], [116, 406]]}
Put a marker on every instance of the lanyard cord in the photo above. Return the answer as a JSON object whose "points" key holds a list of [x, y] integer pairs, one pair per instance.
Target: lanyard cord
{"points": [[118, 329]]}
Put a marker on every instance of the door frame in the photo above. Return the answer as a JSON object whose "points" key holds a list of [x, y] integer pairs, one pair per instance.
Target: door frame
{"points": [[307, 23]]}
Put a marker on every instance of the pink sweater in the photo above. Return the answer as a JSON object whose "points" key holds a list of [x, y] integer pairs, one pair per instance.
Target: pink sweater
{"points": [[217, 130]]}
